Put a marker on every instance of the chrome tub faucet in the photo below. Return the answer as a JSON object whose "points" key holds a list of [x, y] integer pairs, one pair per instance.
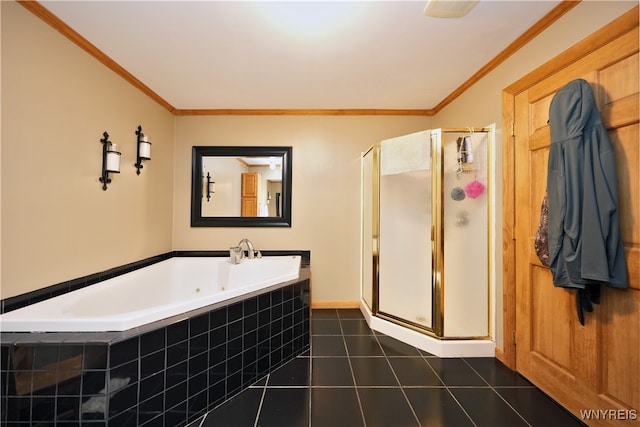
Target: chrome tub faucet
{"points": [[250, 252], [237, 254]]}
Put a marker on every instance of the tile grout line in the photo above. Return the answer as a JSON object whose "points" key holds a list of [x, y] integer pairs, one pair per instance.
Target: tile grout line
{"points": [[353, 377], [311, 335], [264, 392], [496, 392], [406, 398], [203, 420], [310, 371], [446, 387]]}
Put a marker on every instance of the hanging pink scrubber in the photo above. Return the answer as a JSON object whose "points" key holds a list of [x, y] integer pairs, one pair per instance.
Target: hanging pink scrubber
{"points": [[474, 189]]}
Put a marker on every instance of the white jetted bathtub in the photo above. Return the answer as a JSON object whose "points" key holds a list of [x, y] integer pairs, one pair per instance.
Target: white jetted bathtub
{"points": [[152, 293]]}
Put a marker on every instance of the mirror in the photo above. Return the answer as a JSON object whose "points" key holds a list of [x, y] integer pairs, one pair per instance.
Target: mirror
{"points": [[241, 186]]}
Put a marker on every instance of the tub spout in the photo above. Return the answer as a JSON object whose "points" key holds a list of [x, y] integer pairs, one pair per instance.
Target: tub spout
{"points": [[235, 253], [250, 251]]}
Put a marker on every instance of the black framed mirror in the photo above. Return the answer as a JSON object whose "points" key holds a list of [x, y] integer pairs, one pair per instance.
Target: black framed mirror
{"points": [[237, 186]]}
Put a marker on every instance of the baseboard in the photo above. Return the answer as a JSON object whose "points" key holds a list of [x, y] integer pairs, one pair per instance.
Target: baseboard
{"points": [[335, 304]]}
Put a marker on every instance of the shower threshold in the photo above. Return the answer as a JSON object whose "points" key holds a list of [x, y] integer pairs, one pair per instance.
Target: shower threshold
{"points": [[438, 347]]}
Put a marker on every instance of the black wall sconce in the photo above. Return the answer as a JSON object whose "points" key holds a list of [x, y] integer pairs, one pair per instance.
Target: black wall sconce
{"points": [[110, 160], [211, 186], [143, 149]]}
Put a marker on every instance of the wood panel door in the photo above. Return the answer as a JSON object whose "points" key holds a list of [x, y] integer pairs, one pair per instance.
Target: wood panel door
{"points": [[596, 367], [249, 200]]}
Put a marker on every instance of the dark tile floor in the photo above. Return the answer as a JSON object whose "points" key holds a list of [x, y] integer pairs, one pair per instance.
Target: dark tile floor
{"points": [[356, 377]]}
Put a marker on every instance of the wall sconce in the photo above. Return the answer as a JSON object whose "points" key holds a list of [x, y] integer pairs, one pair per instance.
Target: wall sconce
{"points": [[211, 186], [143, 149], [110, 160]]}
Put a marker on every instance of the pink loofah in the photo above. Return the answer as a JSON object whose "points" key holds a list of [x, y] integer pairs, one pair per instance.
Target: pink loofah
{"points": [[474, 189]]}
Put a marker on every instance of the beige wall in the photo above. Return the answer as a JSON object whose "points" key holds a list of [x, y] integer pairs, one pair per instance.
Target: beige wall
{"points": [[481, 104], [326, 188], [57, 222]]}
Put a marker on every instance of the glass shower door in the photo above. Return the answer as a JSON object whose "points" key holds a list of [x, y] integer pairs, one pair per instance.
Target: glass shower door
{"points": [[405, 270], [367, 232], [466, 233]]}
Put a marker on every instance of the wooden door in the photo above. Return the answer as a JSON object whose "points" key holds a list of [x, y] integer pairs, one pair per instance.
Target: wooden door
{"points": [[595, 366], [249, 201]]}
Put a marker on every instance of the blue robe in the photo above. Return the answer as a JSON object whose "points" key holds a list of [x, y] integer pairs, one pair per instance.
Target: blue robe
{"points": [[585, 245]]}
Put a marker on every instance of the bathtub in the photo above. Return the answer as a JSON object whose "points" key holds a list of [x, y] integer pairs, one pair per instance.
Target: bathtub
{"points": [[221, 328], [159, 291]]}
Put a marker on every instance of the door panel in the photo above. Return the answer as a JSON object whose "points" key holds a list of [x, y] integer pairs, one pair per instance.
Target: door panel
{"points": [[601, 359], [621, 364], [550, 321], [618, 81], [627, 151]]}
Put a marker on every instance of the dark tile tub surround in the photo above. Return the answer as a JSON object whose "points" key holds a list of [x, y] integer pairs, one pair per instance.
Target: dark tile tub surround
{"points": [[167, 373]]}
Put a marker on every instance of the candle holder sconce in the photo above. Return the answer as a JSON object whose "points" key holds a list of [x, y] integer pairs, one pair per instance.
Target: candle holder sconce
{"points": [[211, 186], [143, 146], [110, 160]]}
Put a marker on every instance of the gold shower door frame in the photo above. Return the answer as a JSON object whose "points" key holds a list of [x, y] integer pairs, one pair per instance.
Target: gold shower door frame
{"points": [[437, 234]]}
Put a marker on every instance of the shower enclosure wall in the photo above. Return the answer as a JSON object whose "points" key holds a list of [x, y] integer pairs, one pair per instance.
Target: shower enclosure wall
{"points": [[426, 237]]}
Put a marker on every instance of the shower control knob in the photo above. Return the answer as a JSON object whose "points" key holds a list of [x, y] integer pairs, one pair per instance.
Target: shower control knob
{"points": [[461, 219]]}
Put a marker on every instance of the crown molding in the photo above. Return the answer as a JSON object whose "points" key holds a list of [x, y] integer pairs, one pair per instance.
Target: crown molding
{"points": [[43, 13]]}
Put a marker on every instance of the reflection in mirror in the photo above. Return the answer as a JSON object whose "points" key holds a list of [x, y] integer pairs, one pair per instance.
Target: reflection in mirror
{"points": [[241, 186]]}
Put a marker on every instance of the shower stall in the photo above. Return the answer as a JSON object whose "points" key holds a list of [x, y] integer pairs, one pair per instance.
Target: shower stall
{"points": [[426, 240]]}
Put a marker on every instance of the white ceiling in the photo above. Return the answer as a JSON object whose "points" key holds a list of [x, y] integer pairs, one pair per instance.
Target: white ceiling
{"points": [[261, 161], [298, 54]]}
